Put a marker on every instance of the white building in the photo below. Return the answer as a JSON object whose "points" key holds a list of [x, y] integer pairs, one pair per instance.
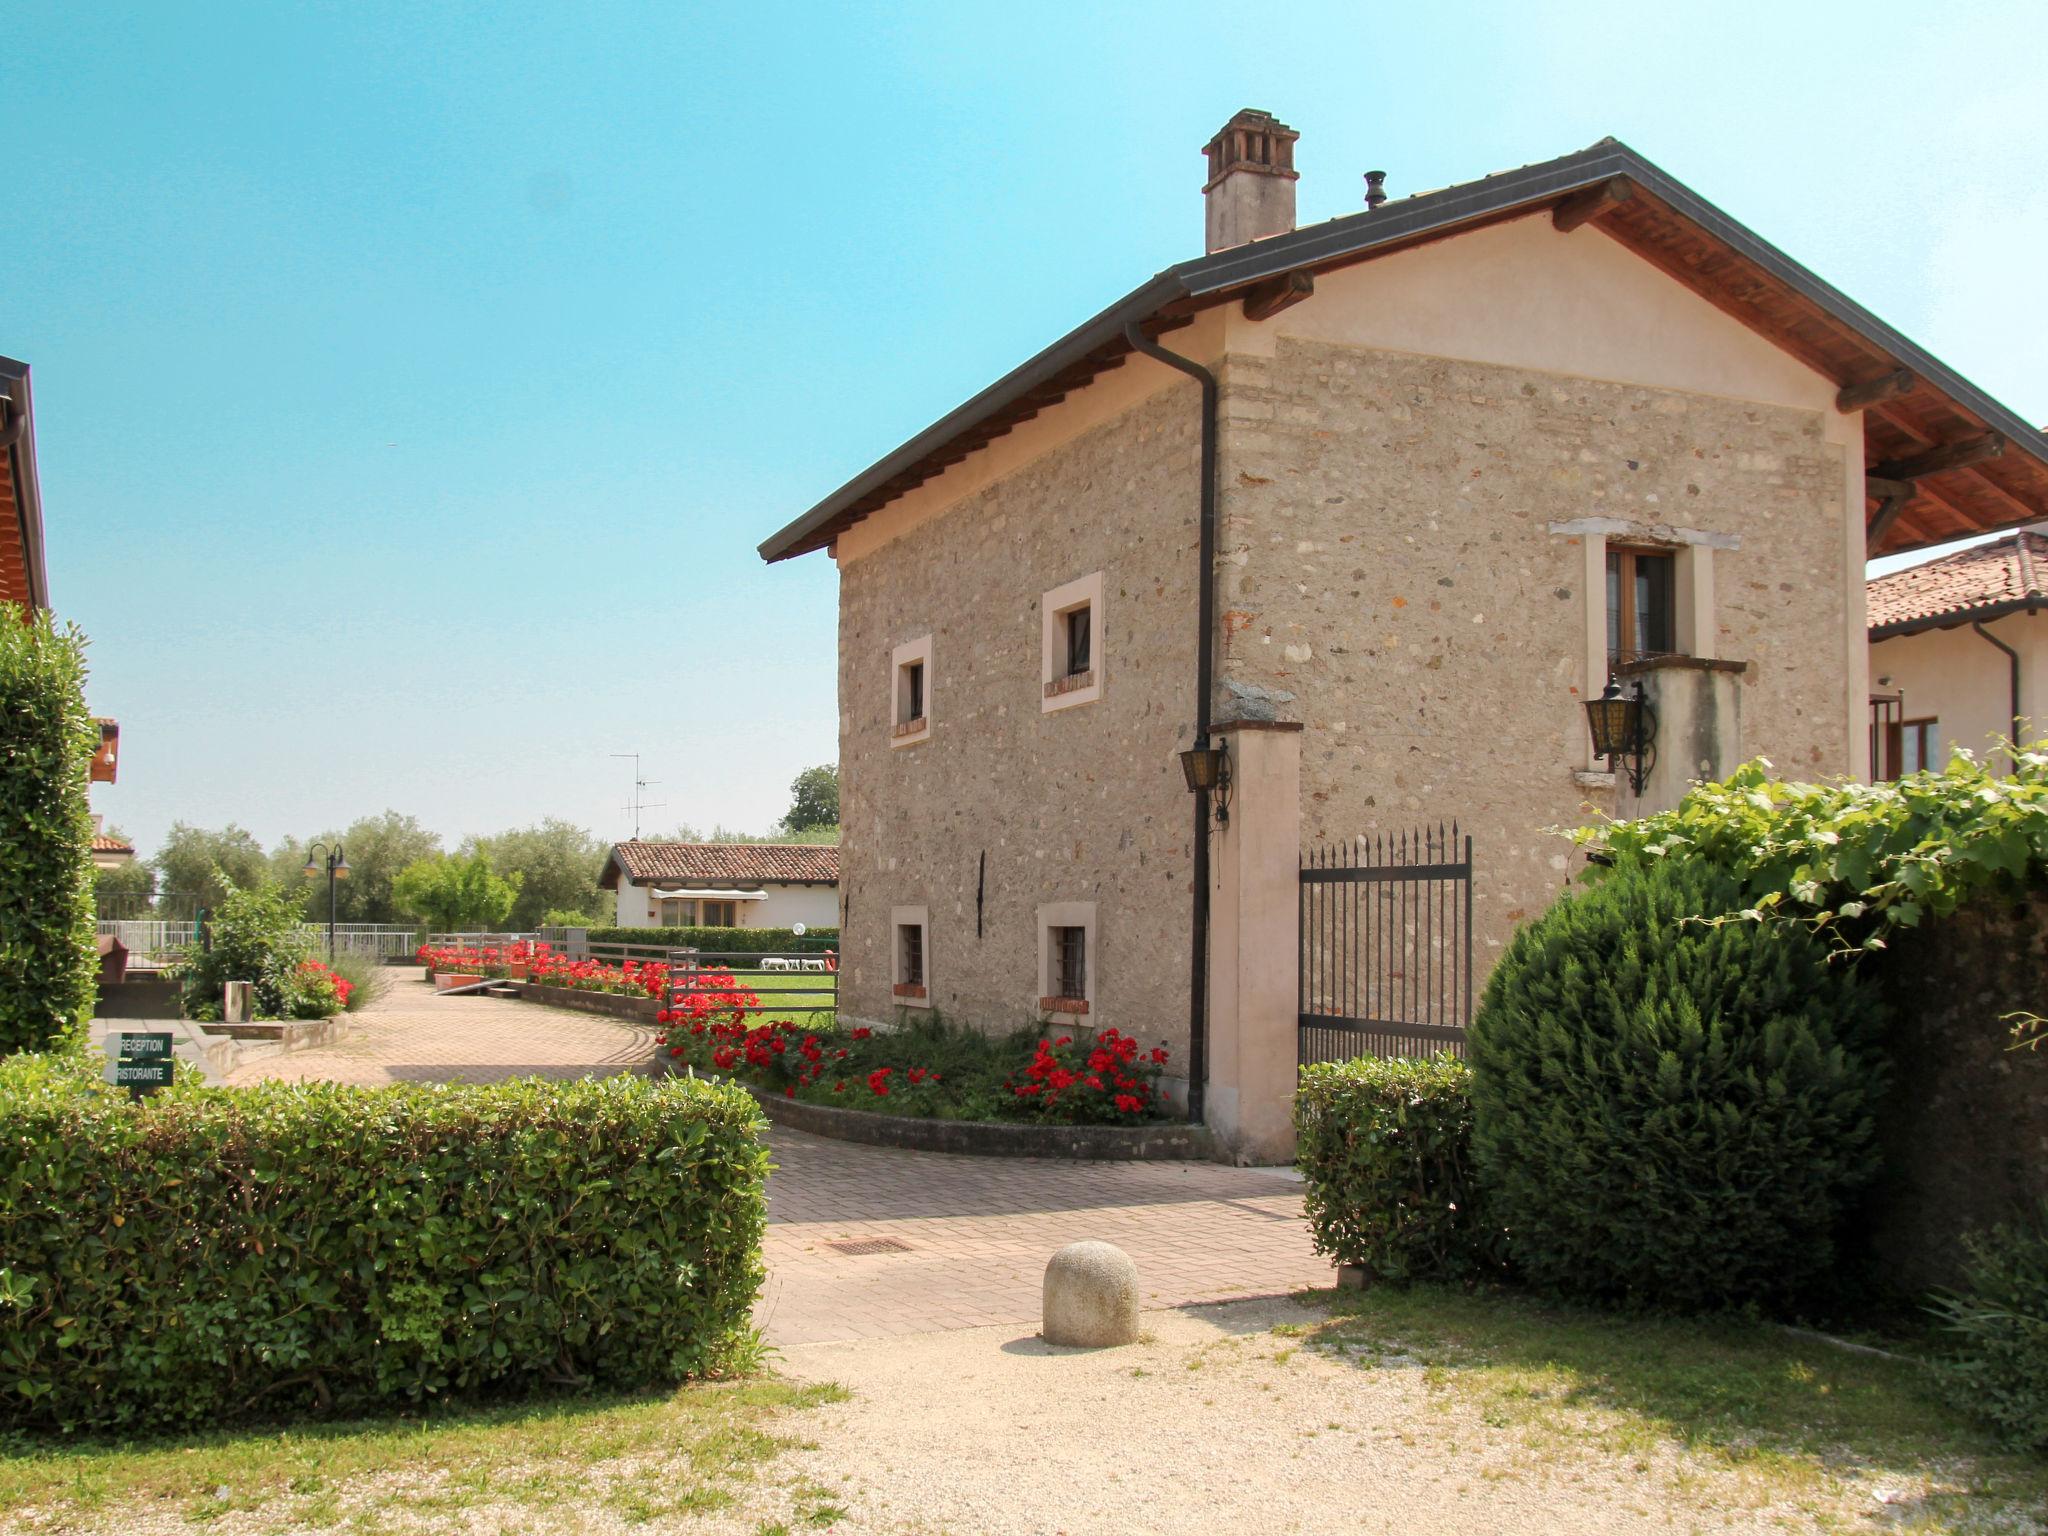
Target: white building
{"points": [[723, 885]]}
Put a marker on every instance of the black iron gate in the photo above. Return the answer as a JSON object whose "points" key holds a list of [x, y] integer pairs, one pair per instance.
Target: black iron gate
{"points": [[1386, 946]]}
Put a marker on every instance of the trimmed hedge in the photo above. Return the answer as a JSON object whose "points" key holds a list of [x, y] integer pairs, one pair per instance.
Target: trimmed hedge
{"points": [[1384, 1148], [48, 963], [722, 941], [1668, 1112], [208, 1254]]}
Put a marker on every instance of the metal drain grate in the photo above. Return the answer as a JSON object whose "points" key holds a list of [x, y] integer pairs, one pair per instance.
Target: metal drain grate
{"points": [[870, 1245]]}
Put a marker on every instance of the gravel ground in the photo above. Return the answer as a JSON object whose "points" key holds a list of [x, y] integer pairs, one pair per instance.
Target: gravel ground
{"points": [[1215, 1422]]}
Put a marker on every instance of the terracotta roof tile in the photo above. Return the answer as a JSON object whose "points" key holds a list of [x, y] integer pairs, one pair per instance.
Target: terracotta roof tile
{"points": [[101, 843], [728, 862], [1954, 588]]}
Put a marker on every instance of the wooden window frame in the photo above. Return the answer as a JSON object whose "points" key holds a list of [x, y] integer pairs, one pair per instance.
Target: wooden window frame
{"points": [[1061, 686], [1619, 568], [904, 990], [906, 729]]}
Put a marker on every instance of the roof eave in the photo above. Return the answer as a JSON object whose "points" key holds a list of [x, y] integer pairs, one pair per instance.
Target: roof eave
{"points": [[1956, 618], [28, 496]]}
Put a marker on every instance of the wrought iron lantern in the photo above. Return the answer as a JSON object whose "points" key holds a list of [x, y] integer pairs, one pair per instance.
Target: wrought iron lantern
{"points": [[1624, 732], [1208, 772]]}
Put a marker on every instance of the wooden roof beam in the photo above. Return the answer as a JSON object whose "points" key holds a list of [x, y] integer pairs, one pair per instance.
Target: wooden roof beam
{"points": [[1589, 203], [1935, 461], [1262, 301], [1861, 397]]}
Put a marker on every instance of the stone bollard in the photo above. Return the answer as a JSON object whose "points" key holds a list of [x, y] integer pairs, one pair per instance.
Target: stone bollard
{"points": [[238, 1002], [1091, 1296]]}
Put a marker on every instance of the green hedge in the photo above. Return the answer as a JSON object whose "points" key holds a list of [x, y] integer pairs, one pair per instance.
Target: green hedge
{"points": [[210, 1254], [48, 965], [1668, 1112], [723, 941], [1385, 1151], [2001, 1322]]}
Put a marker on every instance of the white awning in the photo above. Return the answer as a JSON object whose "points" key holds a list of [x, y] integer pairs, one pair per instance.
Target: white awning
{"points": [[711, 895]]}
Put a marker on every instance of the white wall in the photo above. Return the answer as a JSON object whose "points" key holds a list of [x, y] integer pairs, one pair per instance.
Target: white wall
{"points": [[815, 906], [1965, 682]]}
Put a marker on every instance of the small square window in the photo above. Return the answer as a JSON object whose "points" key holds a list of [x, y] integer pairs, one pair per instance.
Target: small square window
{"points": [[1071, 652], [1066, 960], [910, 961], [910, 692], [1641, 603]]}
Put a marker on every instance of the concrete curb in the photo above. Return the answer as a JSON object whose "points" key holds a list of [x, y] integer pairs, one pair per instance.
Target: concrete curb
{"points": [[641, 1010]]}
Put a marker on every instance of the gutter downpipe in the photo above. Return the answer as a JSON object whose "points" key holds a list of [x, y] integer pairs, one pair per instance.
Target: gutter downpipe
{"points": [[2013, 663], [1205, 666]]}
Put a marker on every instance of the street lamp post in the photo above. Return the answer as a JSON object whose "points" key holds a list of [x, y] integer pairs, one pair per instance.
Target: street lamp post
{"points": [[336, 863]]}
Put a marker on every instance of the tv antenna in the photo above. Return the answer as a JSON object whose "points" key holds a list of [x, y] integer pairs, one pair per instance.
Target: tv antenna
{"points": [[634, 806]]}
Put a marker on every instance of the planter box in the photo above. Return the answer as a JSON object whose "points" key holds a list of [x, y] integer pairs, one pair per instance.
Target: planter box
{"points": [[639, 1009], [448, 980], [1159, 1141]]}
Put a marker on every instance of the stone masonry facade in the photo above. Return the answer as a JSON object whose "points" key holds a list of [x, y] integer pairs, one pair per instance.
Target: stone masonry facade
{"points": [[1006, 807], [1389, 578]]}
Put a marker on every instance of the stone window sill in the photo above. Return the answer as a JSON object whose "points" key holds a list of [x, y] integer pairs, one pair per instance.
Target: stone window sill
{"points": [[1073, 682], [909, 989]]}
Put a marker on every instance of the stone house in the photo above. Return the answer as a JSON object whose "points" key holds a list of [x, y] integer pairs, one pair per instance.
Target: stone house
{"points": [[723, 885], [24, 577], [1378, 505], [1959, 655]]}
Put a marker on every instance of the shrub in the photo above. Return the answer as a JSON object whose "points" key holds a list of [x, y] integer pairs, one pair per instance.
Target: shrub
{"points": [[256, 937], [723, 941], [367, 977], [1670, 1112], [47, 961], [2002, 1320], [1385, 1150], [209, 1254], [1857, 859]]}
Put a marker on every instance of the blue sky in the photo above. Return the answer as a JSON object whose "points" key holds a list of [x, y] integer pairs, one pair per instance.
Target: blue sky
{"points": [[413, 383]]}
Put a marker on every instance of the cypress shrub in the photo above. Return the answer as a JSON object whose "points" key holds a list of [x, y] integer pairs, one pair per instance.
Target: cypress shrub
{"points": [[48, 959], [1672, 1113], [723, 941], [1385, 1151], [208, 1255]]}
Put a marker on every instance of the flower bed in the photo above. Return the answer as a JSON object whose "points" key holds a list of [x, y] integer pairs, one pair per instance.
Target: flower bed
{"points": [[929, 1070]]}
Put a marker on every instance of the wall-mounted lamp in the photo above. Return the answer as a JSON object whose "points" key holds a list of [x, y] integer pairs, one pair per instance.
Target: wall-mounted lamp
{"points": [[1208, 770], [1624, 732]]}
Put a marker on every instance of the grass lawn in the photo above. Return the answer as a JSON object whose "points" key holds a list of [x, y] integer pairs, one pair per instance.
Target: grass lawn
{"points": [[1792, 1416], [792, 995], [625, 1459]]}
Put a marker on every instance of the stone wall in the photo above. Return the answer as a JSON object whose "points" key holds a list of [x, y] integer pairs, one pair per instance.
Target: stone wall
{"points": [[1389, 577], [1085, 804], [1965, 1129]]}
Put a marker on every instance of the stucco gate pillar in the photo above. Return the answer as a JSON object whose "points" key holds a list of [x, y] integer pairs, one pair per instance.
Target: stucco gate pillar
{"points": [[1255, 944]]}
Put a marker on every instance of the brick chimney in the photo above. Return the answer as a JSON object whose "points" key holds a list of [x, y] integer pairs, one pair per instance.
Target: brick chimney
{"points": [[1250, 192]]}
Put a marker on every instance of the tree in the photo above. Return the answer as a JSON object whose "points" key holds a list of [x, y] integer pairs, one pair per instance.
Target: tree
{"points": [[124, 890], [454, 893], [378, 847], [203, 866], [556, 863], [813, 799]]}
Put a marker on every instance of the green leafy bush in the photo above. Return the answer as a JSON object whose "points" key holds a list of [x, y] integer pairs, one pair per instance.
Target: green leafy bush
{"points": [[1856, 859], [48, 965], [258, 937], [2001, 1318], [723, 941], [368, 978], [214, 1254], [1385, 1149], [1669, 1112]]}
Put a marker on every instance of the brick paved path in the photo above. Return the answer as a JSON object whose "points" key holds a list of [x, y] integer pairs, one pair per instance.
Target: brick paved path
{"points": [[412, 1035], [974, 1232]]}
